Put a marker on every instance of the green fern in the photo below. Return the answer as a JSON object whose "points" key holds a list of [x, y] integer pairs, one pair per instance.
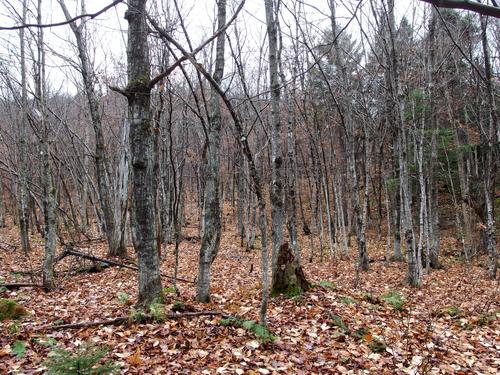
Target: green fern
{"points": [[83, 361]]}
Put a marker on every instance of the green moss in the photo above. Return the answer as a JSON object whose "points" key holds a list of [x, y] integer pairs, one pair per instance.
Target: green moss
{"points": [[10, 309]]}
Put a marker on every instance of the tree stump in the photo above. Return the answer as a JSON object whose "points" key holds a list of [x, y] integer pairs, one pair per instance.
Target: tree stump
{"points": [[289, 278]]}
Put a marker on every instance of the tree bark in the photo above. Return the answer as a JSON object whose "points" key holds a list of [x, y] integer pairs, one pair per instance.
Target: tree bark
{"points": [[276, 149], [211, 202], [141, 145]]}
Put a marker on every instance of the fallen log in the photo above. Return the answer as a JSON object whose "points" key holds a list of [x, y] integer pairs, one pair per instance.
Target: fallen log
{"points": [[123, 319], [20, 285]]}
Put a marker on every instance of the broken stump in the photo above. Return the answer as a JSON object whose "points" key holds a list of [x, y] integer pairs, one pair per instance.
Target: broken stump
{"points": [[289, 278]]}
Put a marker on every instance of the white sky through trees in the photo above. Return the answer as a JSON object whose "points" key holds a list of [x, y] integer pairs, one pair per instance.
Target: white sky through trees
{"points": [[107, 33]]}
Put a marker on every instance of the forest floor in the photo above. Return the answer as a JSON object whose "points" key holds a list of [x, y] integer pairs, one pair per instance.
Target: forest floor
{"points": [[449, 326]]}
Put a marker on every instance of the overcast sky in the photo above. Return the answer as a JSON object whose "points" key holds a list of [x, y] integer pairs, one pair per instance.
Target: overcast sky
{"points": [[109, 30]]}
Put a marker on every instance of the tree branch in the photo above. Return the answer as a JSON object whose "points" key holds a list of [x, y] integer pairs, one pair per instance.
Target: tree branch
{"points": [[474, 6], [81, 16]]}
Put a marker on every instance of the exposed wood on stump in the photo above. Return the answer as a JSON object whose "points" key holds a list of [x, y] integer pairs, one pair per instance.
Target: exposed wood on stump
{"points": [[289, 278]]}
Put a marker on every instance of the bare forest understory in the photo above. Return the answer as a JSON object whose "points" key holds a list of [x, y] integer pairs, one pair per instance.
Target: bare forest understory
{"points": [[449, 325]]}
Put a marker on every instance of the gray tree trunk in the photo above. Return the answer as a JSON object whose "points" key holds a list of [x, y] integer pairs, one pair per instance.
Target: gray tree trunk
{"points": [[49, 190], [276, 149], [23, 194], [211, 202], [141, 147], [492, 155]]}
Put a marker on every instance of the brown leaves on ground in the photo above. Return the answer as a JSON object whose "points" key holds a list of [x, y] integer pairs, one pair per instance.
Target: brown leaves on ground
{"points": [[450, 325]]}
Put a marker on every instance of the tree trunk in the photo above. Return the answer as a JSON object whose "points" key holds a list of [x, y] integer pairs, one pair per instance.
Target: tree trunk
{"points": [[276, 151], [141, 147], [23, 195], [49, 193], [211, 202], [492, 149]]}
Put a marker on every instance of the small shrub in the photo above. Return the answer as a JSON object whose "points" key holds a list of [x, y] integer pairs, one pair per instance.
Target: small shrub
{"points": [[347, 300], [19, 348], [157, 311], [360, 333], [337, 321], [137, 315], [10, 309], [377, 346], [394, 299], [83, 361], [124, 298]]}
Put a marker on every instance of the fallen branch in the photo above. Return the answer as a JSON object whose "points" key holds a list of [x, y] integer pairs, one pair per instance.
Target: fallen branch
{"points": [[20, 285], [123, 319], [70, 251]]}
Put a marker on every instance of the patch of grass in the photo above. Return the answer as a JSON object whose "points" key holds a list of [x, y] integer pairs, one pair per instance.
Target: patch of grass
{"points": [[85, 360], [10, 309], [395, 300], [137, 315], [347, 300], [124, 298], [13, 328], [327, 284], [169, 290], [157, 311], [454, 312]]}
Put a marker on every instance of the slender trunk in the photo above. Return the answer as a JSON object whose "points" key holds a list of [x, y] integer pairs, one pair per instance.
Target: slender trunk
{"points": [[212, 211], [276, 151], [49, 193], [492, 149], [23, 194]]}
